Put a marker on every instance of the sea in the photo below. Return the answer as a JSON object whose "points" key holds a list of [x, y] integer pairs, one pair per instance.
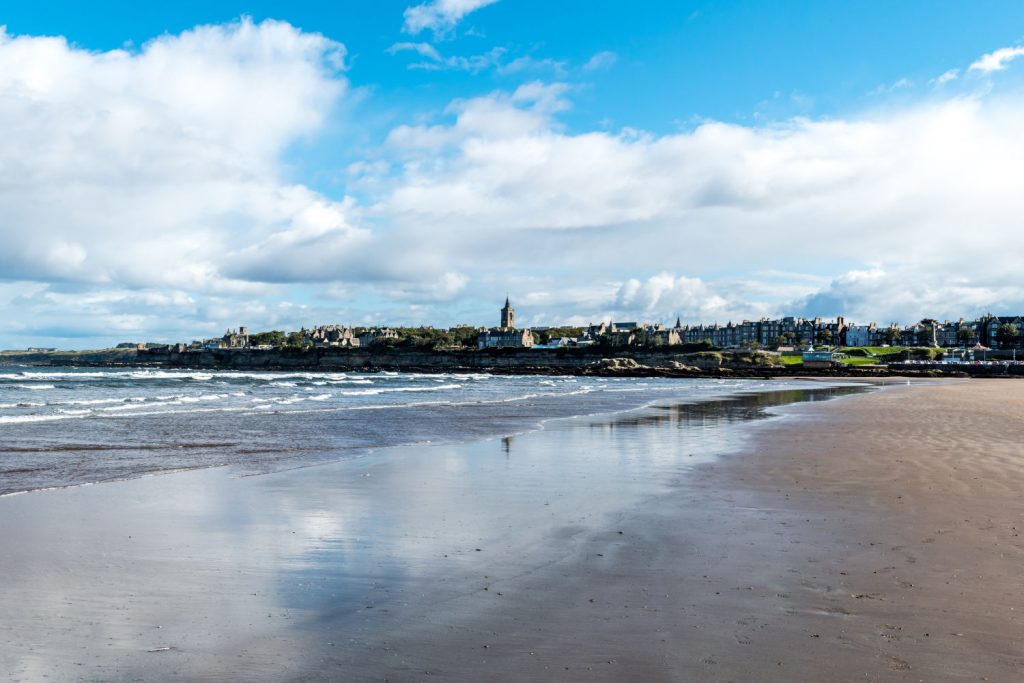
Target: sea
{"points": [[76, 426]]}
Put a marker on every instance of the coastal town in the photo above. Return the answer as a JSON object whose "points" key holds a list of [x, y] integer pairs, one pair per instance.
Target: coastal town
{"points": [[986, 333]]}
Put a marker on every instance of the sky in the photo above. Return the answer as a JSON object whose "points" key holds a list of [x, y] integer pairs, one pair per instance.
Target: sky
{"points": [[172, 170]]}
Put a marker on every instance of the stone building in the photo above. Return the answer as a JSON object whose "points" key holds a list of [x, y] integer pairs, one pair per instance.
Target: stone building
{"points": [[506, 336], [380, 333], [332, 335], [507, 339], [231, 340], [508, 316]]}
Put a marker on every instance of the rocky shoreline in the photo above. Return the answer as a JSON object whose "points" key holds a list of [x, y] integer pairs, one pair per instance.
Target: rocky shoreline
{"points": [[634, 363], [639, 363]]}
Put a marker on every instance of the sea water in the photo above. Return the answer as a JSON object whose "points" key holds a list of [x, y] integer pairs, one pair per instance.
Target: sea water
{"points": [[71, 426]]}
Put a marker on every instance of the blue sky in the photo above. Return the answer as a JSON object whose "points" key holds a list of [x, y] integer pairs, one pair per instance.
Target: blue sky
{"points": [[182, 169]]}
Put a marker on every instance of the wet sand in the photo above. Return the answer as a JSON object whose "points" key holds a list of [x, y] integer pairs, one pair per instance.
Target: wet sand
{"points": [[873, 537]]}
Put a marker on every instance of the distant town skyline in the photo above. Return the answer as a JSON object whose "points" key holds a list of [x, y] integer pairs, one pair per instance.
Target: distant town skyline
{"points": [[172, 169]]}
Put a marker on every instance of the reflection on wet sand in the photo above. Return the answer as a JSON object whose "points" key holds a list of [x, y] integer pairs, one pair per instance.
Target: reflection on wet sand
{"points": [[285, 574], [740, 408]]}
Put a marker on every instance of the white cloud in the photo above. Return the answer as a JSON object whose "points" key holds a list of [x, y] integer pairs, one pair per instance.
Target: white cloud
{"points": [[146, 168], [311, 248], [927, 189], [130, 173], [440, 16], [528, 63], [946, 77], [435, 61], [998, 60], [442, 290], [145, 193], [689, 297], [884, 88], [601, 61], [907, 293], [422, 49]]}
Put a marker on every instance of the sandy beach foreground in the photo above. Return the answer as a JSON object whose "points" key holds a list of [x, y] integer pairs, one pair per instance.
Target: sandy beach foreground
{"points": [[870, 538]]}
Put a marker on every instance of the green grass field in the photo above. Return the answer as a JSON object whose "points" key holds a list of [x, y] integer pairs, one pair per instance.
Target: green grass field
{"points": [[873, 350], [855, 360], [849, 360]]}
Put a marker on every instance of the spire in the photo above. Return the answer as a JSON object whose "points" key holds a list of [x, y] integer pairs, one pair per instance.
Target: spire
{"points": [[678, 323], [508, 316]]}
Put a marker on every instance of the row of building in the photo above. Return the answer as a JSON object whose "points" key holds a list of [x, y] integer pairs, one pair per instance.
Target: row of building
{"points": [[985, 330], [988, 330], [771, 333], [324, 336], [340, 336]]}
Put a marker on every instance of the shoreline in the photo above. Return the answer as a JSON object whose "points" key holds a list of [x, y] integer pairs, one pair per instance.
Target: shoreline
{"points": [[659, 545], [353, 453], [614, 366]]}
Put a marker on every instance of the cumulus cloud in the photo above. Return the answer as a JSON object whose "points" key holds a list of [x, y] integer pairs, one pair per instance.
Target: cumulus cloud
{"points": [[440, 16], [998, 60], [907, 293], [689, 297], [145, 168], [145, 193], [927, 190], [125, 173]]}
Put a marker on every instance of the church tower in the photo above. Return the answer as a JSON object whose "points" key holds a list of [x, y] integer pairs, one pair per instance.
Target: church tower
{"points": [[508, 316]]}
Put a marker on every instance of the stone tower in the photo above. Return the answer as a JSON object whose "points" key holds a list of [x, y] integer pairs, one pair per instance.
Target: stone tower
{"points": [[508, 316]]}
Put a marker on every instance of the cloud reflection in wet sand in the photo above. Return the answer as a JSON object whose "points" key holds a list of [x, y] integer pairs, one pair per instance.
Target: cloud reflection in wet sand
{"points": [[257, 577]]}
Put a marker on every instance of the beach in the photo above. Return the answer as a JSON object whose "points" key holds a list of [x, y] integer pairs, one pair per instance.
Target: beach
{"points": [[773, 537]]}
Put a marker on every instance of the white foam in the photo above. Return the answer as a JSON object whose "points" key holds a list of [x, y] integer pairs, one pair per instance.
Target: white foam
{"points": [[394, 390], [90, 402], [16, 419]]}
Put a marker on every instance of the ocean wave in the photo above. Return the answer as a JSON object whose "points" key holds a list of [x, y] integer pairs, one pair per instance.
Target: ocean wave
{"points": [[34, 375], [90, 401], [18, 419], [395, 390], [169, 374]]}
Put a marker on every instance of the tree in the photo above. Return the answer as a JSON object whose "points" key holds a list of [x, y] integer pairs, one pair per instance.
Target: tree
{"points": [[826, 336], [275, 338], [785, 339], [1007, 335], [892, 336], [926, 335], [296, 340], [547, 335], [965, 335], [464, 336]]}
